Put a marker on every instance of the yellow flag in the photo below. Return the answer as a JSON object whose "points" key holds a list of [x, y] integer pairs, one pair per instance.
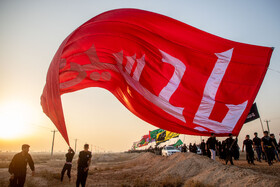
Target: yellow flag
{"points": [[165, 136]]}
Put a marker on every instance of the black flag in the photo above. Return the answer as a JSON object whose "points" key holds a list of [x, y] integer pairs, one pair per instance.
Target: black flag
{"points": [[253, 114]]}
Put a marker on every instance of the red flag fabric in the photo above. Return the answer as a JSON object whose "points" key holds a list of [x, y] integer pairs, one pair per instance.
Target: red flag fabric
{"points": [[170, 74]]}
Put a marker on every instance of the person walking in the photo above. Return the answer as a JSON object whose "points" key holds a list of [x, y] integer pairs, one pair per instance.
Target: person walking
{"points": [[194, 147], [257, 146], [229, 151], [68, 164], [18, 167], [249, 150], [84, 161], [202, 147], [190, 147], [276, 148], [235, 149], [267, 147], [223, 150], [212, 145], [184, 148]]}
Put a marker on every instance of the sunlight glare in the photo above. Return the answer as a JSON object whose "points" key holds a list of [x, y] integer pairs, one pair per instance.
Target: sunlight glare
{"points": [[14, 117]]}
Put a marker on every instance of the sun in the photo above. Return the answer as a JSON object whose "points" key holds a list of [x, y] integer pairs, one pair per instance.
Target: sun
{"points": [[14, 117]]}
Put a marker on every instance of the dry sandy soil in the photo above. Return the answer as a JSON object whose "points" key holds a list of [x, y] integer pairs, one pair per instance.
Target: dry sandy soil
{"points": [[147, 169]]}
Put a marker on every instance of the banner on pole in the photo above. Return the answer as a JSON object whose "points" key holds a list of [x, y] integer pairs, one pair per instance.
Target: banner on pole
{"points": [[253, 114]]}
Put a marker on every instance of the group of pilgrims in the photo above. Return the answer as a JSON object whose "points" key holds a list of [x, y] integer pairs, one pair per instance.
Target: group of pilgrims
{"points": [[266, 148], [18, 166]]}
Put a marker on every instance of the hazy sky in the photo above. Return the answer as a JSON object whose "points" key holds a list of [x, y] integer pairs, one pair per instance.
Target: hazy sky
{"points": [[31, 32]]}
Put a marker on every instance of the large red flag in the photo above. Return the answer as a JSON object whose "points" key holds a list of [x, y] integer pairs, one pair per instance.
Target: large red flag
{"points": [[166, 72]]}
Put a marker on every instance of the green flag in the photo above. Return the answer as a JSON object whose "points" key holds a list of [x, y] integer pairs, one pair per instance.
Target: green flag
{"points": [[178, 143], [142, 141]]}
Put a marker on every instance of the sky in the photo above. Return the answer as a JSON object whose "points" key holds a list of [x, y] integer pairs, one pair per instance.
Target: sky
{"points": [[31, 32]]}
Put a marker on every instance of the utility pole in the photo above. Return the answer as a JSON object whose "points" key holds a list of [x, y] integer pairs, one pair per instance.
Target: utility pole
{"points": [[54, 131], [90, 147], [75, 144], [267, 125]]}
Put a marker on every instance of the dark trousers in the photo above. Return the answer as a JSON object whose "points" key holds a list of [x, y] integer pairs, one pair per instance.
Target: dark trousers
{"points": [[66, 167], [18, 181], [203, 152], [229, 157], [269, 154], [81, 177], [250, 156], [259, 152], [236, 153], [208, 153]]}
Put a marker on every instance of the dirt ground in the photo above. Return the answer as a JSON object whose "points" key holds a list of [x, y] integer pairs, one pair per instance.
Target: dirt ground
{"points": [[262, 167], [147, 169]]}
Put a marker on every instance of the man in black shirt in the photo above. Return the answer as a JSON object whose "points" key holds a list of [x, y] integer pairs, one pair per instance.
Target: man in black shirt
{"points": [[184, 148], [18, 166], [190, 148], [223, 150], [267, 147], [202, 147], [257, 146], [68, 164], [276, 147], [83, 166], [211, 145], [249, 150], [229, 151], [194, 148]]}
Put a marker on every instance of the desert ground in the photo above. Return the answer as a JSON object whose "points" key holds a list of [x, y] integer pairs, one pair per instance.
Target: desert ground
{"points": [[147, 169]]}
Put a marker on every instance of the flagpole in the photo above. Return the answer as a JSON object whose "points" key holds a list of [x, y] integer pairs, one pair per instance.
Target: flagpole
{"points": [[260, 120], [267, 125], [261, 123]]}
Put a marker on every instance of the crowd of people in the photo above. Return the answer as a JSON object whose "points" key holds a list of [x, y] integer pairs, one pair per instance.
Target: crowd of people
{"points": [[260, 149], [266, 148]]}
